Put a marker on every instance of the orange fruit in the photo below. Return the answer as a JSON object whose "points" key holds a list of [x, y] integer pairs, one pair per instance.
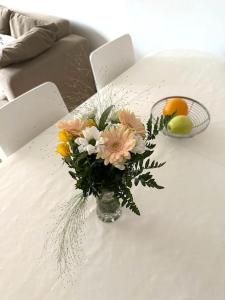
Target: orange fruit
{"points": [[175, 105]]}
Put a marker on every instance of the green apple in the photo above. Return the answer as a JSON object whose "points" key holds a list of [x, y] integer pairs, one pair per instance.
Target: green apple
{"points": [[180, 125]]}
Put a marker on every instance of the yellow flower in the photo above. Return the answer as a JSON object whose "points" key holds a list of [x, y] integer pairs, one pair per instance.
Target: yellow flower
{"points": [[63, 149], [118, 142], [91, 122], [129, 119], [64, 136]]}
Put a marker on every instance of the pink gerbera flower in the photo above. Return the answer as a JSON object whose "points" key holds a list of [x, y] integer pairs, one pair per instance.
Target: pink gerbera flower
{"points": [[129, 119], [74, 127], [117, 144]]}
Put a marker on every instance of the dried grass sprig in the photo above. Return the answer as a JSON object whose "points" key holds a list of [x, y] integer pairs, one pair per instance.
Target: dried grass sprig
{"points": [[69, 233]]}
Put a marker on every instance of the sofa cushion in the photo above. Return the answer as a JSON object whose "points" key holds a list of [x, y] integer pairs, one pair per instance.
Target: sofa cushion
{"points": [[29, 45], [4, 20], [20, 23], [63, 26]]}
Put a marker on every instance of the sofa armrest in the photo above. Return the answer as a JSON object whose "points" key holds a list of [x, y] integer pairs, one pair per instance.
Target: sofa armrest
{"points": [[66, 64]]}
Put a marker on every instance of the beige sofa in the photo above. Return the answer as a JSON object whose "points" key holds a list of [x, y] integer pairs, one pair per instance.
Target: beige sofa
{"points": [[66, 64]]}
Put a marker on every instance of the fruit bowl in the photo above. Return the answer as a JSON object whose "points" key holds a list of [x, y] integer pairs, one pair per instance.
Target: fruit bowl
{"points": [[197, 113]]}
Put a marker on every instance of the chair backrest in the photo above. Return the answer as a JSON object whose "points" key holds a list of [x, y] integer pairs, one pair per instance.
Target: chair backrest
{"points": [[112, 59], [28, 115]]}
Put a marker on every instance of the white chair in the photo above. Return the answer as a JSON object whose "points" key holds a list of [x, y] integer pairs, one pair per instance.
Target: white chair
{"points": [[112, 59], [28, 115]]}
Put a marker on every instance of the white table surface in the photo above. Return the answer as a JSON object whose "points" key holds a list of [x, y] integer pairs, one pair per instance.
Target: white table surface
{"points": [[174, 251]]}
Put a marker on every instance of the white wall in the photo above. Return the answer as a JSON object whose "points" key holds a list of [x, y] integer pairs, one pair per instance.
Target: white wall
{"points": [[153, 24]]}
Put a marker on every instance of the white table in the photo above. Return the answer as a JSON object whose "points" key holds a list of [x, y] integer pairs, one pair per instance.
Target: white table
{"points": [[174, 251]]}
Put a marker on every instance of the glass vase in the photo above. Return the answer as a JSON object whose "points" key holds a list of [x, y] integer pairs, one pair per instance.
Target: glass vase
{"points": [[108, 207]]}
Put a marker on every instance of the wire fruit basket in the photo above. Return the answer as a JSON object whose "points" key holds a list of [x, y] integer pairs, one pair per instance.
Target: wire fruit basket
{"points": [[197, 112]]}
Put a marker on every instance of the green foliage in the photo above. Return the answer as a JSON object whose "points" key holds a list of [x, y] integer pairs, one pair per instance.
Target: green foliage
{"points": [[103, 120], [155, 126], [92, 176], [124, 193]]}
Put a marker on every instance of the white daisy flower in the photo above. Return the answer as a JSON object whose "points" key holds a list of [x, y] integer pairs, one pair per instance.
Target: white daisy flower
{"points": [[140, 145], [90, 141]]}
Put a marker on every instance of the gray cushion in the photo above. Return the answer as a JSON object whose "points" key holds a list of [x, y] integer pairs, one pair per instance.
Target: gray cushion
{"points": [[21, 23], [4, 20], [29, 45]]}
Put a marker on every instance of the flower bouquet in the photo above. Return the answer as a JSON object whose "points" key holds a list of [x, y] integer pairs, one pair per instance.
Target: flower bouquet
{"points": [[107, 154]]}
